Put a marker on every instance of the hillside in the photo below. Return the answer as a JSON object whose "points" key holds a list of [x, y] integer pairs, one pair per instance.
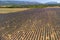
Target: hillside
{"points": [[18, 3]]}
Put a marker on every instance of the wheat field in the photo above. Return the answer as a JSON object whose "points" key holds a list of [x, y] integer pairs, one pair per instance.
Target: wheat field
{"points": [[9, 10]]}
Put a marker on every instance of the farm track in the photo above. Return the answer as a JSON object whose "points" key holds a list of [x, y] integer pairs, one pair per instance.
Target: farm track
{"points": [[34, 24]]}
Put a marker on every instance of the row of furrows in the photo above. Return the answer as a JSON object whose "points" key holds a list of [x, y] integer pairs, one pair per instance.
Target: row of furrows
{"points": [[45, 32], [17, 19], [33, 28]]}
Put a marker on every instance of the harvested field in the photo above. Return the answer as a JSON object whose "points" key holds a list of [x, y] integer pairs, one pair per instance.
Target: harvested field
{"points": [[34, 24], [10, 10]]}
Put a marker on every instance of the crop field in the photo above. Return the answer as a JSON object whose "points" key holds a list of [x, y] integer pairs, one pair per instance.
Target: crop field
{"points": [[34, 24], [9, 10]]}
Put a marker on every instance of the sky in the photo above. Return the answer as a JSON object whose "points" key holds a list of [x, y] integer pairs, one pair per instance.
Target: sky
{"points": [[41, 1]]}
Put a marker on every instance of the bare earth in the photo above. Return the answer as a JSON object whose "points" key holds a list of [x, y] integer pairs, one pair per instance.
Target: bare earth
{"points": [[34, 24]]}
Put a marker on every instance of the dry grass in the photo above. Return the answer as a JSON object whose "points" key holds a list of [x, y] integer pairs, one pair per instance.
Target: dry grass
{"points": [[9, 10], [53, 7]]}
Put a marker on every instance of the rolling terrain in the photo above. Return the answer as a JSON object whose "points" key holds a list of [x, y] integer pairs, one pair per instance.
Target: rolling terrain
{"points": [[34, 24]]}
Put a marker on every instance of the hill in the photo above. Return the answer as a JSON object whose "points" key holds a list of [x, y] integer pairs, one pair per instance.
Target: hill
{"points": [[51, 2], [18, 3]]}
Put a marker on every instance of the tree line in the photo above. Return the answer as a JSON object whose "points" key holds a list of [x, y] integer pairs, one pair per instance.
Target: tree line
{"points": [[30, 6]]}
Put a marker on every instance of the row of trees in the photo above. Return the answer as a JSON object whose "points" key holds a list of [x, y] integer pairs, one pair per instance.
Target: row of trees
{"points": [[29, 6]]}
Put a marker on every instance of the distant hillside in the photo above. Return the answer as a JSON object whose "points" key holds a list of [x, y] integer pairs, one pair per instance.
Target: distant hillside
{"points": [[18, 2], [51, 3], [26, 4]]}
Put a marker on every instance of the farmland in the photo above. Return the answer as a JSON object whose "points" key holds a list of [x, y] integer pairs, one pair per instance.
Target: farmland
{"points": [[10, 10], [34, 24]]}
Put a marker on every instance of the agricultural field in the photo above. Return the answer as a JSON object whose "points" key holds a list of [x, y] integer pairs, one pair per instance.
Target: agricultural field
{"points": [[34, 24], [10, 10]]}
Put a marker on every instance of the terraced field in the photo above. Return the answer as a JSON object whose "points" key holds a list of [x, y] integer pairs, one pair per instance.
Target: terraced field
{"points": [[34, 24]]}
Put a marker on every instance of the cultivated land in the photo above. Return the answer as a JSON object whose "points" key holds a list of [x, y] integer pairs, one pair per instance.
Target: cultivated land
{"points": [[10, 10], [34, 24]]}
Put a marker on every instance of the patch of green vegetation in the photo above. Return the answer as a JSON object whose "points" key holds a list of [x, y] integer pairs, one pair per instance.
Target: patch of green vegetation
{"points": [[30, 6]]}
